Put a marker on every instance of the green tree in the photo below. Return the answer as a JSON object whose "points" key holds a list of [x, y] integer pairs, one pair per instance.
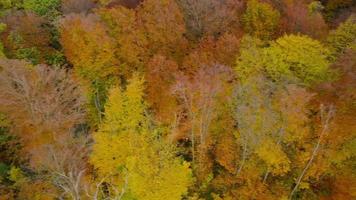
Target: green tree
{"points": [[2, 29], [343, 37], [249, 61], [297, 56], [43, 7]]}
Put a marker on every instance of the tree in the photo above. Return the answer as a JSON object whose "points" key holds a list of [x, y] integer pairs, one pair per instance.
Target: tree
{"points": [[43, 7], [248, 63], [199, 97], [46, 105], [274, 127], [32, 97], [304, 19], [210, 51], [326, 116], [130, 157], [91, 51], [260, 19], [129, 36], [291, 57], [256, 119], [343, 37], [164, 27], [88, 47], [335, 7], [297, 56], [160, 76], [210, 17], [76, 6], [26, 37]]}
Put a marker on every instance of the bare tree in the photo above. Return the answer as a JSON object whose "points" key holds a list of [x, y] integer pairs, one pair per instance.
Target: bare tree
{"points": [[76, 6], [254, 114], [199, 98], [40, 96], [45, 105], [66, 161], [210, 16]]}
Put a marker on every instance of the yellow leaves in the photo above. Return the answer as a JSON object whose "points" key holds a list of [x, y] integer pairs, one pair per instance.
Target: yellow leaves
{"points": [[150, 182], [343, 37], [16, 175], [103, 158], [4, 122], [292, 104], [151, 177], [249, 61], [304, 185], [124, 119], [124, 142], [260, 19], [125, 109], [291, 57], [297, 56], [105, 2], [273, 155]]}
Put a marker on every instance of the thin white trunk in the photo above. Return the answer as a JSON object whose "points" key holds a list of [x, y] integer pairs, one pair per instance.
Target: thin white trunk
{"points": [[325, 123]]}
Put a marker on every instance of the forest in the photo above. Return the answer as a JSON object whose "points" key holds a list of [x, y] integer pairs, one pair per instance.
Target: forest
{"points": [[177, 100]]}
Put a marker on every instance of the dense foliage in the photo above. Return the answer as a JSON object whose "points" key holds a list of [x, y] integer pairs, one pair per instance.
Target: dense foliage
{"points": [[177, 99]]}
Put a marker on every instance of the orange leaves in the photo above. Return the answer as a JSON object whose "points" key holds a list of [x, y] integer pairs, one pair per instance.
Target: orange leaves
{"points": [[88, 47], [127, 32], [210, 51], [164, 26], [160, 77], [227, 151]]}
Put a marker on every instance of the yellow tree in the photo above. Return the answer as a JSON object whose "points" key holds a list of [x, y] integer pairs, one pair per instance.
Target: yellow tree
{"points": [[298, 56], [131, 157], [260, 19]]}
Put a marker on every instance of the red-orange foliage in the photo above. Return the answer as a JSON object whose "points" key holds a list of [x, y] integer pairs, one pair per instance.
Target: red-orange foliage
{"points": [[210, 51], [160, 76], [164, 27], [299, 19]]}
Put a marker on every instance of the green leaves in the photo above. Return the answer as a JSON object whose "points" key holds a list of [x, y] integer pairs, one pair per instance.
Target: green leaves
{"points": [[288, 58], [343, 37], [297, 56], [42, 7]]}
